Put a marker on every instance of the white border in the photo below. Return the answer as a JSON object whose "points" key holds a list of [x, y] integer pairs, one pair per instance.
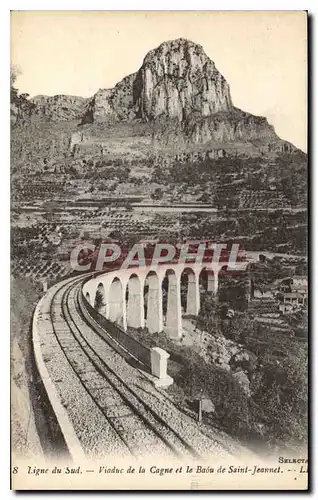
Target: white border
{"points": [[4, 185]]}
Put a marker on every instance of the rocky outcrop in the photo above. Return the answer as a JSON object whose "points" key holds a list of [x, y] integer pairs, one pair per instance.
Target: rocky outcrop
{"points": [[189, 156], [234, 125], [277, 147], [243, 382], [112, 104], [182, 97], [178, 79], [59, 107], [180, 92], [76, 138], [175, 80]]}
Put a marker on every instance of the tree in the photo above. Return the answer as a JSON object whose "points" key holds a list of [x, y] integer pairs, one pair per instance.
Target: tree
{"points": [[99, 301], [117, 235], [20, 104], [14, 73], [239, 328], [157, 194], [211, 314], [234, 290]]}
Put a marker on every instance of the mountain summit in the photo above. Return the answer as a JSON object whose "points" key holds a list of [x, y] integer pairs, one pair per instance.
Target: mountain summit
{"points": [[179, 93], [178, 83], [176, 80]]}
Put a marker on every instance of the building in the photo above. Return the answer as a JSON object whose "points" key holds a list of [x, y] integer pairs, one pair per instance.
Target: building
{"points": [[291, 301]]}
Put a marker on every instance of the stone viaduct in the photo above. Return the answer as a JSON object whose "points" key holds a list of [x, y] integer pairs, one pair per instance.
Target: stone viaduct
{"points": [[124, 297]]}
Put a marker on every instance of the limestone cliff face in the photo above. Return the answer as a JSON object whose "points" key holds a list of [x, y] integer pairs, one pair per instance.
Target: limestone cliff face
{"points": [[178, 89], [177, 79], [235, 125], [98, 108], [112, 104]]}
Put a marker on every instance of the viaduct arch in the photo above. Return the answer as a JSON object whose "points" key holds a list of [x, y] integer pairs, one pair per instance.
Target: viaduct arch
{"points": [[134, 297]]}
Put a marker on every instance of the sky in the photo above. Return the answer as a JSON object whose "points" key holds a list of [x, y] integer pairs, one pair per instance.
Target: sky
{"points": [[262, 55]]}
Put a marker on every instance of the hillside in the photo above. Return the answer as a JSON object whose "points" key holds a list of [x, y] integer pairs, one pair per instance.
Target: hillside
{"points": [[174, 111], [177, 88]]}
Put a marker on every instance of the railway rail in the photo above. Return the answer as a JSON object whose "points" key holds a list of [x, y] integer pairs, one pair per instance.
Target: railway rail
{"points": [[140, 429], [104, 402]]}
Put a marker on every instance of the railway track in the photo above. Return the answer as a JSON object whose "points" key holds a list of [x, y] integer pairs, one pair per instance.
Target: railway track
{"points": [[140, 430]]}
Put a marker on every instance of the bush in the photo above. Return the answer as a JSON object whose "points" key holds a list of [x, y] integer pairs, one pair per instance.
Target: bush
{"points": [[280, 399]]}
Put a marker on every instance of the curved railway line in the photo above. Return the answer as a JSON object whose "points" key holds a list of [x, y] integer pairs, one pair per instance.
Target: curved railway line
{"points": [[144, 431], [104, 404]]}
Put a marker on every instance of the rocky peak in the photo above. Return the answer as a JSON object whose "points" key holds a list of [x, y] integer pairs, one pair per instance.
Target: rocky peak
{"points": [[177, 78], [178, 91]]}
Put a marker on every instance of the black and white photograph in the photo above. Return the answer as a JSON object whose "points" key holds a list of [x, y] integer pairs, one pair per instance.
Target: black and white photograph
{"points": [[159, 250]]}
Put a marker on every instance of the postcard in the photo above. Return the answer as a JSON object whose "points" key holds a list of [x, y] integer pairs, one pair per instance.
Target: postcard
{"points": [[159, 281]]}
